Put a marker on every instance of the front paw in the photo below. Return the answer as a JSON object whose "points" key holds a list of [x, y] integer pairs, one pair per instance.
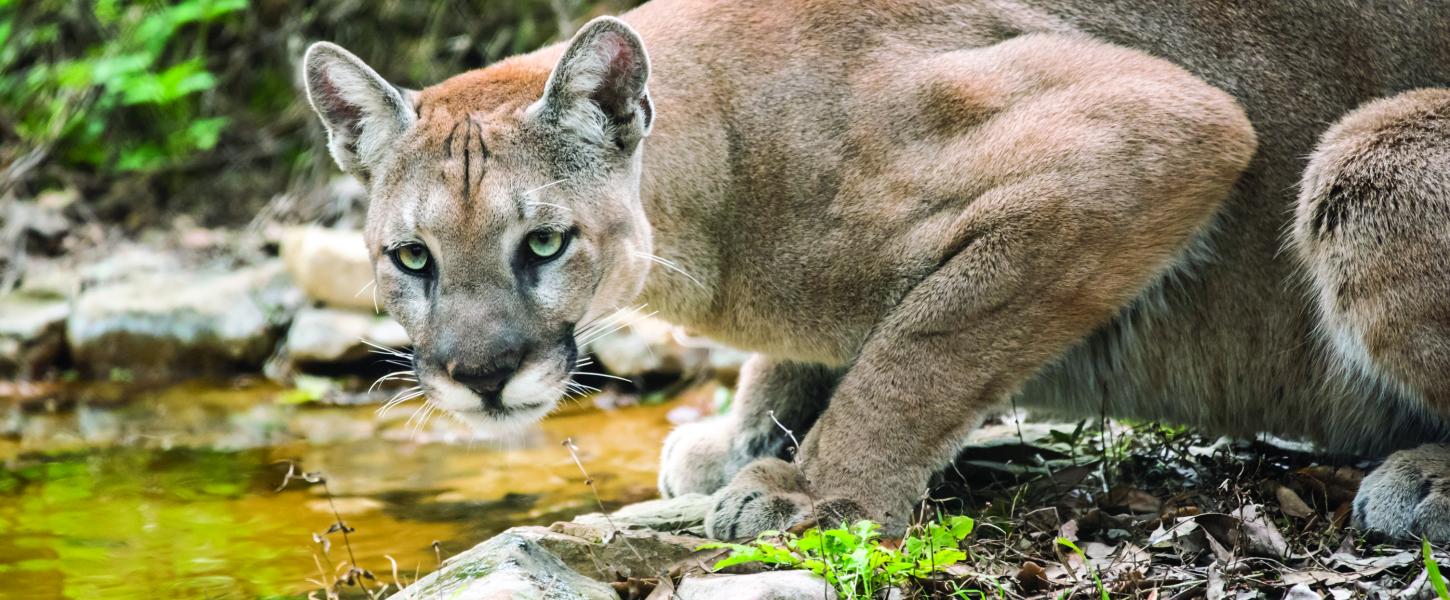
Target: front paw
{"points": [[694, 458], [772, 495], [1408, 496]]}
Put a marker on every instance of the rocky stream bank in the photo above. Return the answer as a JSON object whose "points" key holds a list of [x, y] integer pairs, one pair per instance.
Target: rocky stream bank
{"points": [[151, 313]]}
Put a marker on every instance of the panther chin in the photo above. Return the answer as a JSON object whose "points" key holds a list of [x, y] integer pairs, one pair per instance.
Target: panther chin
{"points": [[525, 400]]}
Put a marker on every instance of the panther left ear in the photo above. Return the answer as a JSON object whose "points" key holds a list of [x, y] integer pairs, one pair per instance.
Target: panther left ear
{"points": [[597, 89], [363, 113]]}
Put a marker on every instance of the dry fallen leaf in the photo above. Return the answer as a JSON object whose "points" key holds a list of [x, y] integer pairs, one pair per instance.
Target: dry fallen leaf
{"points": [[1291, 504], [1134, 500], [1317, 576], [1261, 537], [1032, 577]]}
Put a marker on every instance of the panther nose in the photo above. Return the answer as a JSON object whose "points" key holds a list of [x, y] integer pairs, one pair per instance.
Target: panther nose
{"points": [[486, 382]]}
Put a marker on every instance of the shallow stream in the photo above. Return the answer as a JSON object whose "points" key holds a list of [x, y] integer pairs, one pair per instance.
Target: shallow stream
{"points": [[174, 493]]}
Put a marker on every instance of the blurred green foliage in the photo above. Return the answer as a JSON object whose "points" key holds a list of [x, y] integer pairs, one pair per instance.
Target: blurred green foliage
{"points": [[153, 108], [74, 102]]}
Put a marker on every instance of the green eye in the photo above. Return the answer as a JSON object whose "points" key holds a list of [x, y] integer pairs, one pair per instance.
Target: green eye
{"points": [[411, 257], [546, 244]]}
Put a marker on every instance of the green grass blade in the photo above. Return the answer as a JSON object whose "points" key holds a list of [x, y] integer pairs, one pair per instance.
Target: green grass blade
{"points": [[1433, 570]]}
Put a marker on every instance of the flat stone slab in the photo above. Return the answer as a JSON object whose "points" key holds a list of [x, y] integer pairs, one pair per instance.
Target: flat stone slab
{"points": [[681, 514], [167, 325]]}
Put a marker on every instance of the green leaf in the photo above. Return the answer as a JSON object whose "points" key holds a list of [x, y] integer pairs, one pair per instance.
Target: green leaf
{"points": [[961, 526], [175, 82], [947, 557], [143, 157], [735, 559], [202, 134], [1432, 569]]}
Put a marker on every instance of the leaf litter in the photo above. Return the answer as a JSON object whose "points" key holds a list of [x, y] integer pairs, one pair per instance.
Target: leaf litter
{"points": [[1147, 511]]}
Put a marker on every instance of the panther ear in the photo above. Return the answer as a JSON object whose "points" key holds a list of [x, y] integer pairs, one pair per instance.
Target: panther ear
{"points": [[363, 113], [597, 89]]}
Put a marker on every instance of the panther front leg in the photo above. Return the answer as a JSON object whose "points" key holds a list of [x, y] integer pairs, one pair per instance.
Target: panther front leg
{"points": [[772, 396], [964, 340], [1373, 231], [1081, 195]]}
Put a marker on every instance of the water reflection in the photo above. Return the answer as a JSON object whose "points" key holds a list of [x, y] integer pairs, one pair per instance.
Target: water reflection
{"points": [[172, 494]]}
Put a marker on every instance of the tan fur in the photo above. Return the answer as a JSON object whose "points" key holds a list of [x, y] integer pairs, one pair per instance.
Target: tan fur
{"points": [[915, 210]]}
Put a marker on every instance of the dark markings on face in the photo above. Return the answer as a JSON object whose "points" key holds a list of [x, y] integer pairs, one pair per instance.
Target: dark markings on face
{"points": [[467, 163], [526, 274], [448, 141]]}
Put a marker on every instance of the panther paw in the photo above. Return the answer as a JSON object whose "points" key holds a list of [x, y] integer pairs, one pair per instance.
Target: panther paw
{"points": [[694, 458], [771, 495], [1408, 496]]}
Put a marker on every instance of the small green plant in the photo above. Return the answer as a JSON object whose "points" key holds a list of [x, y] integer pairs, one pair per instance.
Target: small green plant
{"points": [[121, 375], [852, 558], [1432, 570], [1066, 543], [307, 389]]}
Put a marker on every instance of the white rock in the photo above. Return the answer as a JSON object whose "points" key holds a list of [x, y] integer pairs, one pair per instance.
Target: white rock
{"points": [[181, 324], [330, 265], [32, 334], [725, 362], [327, 335], [644, 346], [573, 559], [511, 565], [770, 585]]}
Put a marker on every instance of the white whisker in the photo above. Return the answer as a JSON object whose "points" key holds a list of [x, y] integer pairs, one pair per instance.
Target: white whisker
{"points": [[579, 386], [394, 376], [381, 349], [399, 398], [597, 336], [604, 320], [422, 415], [546, 186], [593, 374], [611, 327], [542, 203], [671, 266]]}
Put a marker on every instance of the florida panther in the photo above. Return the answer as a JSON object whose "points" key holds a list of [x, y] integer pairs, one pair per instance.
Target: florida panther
{"points": [[1225, 214]]}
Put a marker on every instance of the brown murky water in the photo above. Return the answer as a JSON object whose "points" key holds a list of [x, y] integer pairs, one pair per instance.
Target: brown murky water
{"points": [[173, 494]]}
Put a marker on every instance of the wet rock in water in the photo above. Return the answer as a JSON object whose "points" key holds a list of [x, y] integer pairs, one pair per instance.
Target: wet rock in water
{"points": [[181, 324], [32, 334], [514, 564], [770, 585], [573, 559], [330, 336], [330, 265]]}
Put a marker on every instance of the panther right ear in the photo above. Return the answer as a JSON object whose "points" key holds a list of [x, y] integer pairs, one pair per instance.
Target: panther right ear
{"points": [[598, 88], [363, 113]]}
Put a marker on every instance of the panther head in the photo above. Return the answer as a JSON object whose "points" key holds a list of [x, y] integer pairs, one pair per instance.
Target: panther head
{"points": [[504, 209]]}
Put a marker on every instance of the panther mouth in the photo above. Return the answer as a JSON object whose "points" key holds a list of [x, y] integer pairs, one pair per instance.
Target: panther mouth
{"points": [[496, 410], [492, 413]]}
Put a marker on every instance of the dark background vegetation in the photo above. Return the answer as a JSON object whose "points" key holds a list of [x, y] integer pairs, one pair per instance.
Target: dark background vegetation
{"points": [[146, 110]]}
